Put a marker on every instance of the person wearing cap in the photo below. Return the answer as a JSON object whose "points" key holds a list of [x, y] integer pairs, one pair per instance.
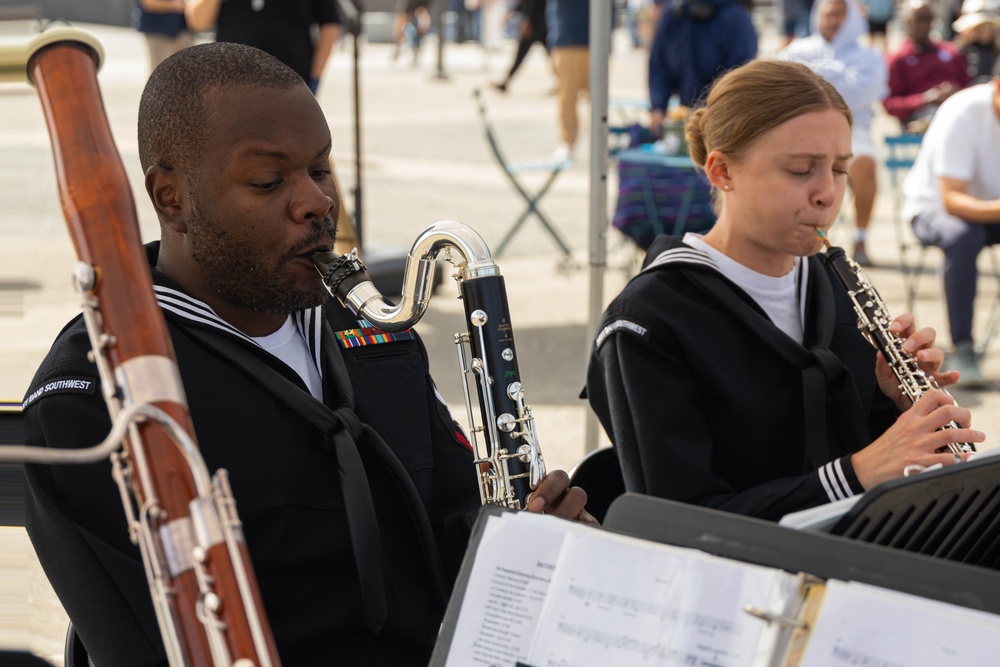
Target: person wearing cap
{"points": [[858, 73], [952, 197], [977, 38], [923, 72]]}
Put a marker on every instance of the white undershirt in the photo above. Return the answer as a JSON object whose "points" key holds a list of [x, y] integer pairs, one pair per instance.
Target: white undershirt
{"points": [[288, 345], [778, 297]]}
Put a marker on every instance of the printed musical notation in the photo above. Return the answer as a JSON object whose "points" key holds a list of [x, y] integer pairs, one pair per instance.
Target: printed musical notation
{"points": [[692, 621], [640, 650], [680, 608], [572, 596], [497, 629], [866, 626]]}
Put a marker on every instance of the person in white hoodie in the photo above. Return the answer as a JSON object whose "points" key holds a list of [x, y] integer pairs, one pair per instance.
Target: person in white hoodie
{"points": [[860, 75]]}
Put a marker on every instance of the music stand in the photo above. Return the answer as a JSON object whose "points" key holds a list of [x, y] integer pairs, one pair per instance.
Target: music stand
{"points": [[951, 513], [768, 544], [762, 543]]}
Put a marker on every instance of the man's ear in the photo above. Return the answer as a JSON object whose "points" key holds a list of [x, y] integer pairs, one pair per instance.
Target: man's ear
{"points": [[166, 189]]}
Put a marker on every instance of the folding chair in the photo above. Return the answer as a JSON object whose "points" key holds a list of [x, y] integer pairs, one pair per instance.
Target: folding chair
{"points": [[901, 152], [513, 170]]}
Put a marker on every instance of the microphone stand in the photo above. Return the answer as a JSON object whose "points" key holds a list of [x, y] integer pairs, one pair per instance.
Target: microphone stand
{"points": [[386, 266], [352, 11]]}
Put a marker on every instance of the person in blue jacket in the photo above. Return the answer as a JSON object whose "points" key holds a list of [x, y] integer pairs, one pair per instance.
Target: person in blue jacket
{"points": [[695, 42]]}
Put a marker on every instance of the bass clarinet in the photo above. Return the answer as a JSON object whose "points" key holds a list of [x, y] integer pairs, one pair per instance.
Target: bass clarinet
{"points": [[512, 465], [183, 520], [874, 319]]}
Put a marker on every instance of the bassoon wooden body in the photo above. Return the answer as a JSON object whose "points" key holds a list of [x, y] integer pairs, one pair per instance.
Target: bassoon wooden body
{"points": [[184, 521]]}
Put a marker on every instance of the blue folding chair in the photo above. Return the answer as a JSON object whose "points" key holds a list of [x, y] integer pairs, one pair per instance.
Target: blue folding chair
{"points": [[513, 170], [901, 151]]}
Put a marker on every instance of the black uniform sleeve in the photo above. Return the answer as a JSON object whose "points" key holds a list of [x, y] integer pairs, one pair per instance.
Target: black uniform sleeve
{"points": [[77, 526], [646, 397]]}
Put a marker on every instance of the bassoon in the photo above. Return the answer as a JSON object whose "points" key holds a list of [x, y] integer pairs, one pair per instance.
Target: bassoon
{"points": [[183, 520]]}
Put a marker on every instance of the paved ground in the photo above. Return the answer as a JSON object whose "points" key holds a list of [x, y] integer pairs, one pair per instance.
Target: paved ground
{"points": [[425, 159]]}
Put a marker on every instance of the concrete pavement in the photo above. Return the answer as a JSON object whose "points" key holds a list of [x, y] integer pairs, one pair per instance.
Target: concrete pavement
{"points": [[425, 159]]}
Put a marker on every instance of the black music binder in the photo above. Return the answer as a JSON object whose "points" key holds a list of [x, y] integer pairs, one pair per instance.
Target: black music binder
{"points": [[951, 513], [820, 560]]}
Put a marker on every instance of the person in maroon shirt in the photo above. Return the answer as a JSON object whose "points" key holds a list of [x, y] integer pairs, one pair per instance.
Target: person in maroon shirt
{"points": [[922, 72]]}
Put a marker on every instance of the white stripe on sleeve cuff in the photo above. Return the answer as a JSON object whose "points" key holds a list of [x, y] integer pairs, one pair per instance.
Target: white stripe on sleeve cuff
{"points": [[834, 482]]}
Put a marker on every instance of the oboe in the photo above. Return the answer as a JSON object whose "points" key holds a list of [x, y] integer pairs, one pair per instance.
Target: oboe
{"points": [[874, 319], [183, 520], [512, 465]]}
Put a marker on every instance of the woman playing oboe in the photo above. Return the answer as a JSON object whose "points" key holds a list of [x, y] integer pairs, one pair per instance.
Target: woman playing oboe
{"points": [[730, 373]]}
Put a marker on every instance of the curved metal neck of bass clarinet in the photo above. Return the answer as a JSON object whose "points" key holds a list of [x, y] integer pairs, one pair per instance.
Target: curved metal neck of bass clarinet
{"points": [[454, 242]]}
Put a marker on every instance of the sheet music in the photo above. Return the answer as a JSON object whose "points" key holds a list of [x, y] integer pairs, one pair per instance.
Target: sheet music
{"points": [[506, 589], [875, 627], [620, 601]]}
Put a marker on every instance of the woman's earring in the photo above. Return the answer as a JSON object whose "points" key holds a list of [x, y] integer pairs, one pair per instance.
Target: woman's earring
{"points": [[725, 187]]}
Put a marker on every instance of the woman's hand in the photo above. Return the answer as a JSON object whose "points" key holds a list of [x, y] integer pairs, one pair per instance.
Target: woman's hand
{"points": [[915, 439], [920, 343]]}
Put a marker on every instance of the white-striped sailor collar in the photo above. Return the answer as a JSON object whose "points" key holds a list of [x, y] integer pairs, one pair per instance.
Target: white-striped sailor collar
{"points": [[309, 322], [683, 254]]}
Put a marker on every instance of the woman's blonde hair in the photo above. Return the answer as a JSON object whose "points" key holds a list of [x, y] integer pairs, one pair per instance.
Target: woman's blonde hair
{"points": [[748, 101]]}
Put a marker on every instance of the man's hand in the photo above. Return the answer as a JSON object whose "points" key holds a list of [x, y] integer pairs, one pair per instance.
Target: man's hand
{"points": [[939, 93], [555, 496]]}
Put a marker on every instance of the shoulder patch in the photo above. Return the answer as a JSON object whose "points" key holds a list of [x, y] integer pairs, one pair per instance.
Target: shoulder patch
{"points": [[60, 385], [621, 325]]}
